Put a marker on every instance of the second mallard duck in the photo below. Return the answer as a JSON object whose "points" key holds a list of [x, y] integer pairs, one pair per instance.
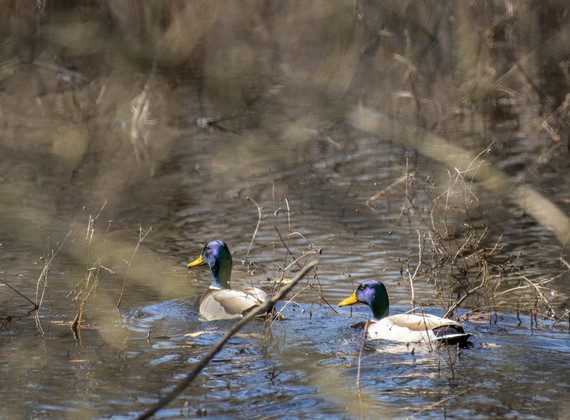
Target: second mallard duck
{"points": [[220, 301], [404, 328]]}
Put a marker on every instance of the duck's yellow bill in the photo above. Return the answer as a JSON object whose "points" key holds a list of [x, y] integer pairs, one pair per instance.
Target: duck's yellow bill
{"points": [[349, 301], [197, 262]]}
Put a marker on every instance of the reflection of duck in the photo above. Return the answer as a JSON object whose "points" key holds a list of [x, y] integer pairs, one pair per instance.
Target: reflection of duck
{"points": [[405, 328], [219, 301]]}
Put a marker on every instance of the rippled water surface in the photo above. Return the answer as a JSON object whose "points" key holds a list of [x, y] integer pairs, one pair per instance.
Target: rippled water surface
{"points": [[305, 365]]}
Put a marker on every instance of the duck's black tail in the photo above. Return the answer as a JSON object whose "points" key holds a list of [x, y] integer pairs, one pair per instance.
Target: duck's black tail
{"points": [[451, 334]]}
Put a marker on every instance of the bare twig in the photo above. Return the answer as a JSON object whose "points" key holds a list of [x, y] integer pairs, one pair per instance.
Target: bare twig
{"points": [[142, 237], [288, 214], [78, 317], [172, 395], [286, 245], [496, 244], [18, 292], [431, 406], [407, 198], [364, 332], [291, 300], [259, 208], [296, 260], [386, 190], [412, 277], [536, 287], [43, 279], [465, 296]]}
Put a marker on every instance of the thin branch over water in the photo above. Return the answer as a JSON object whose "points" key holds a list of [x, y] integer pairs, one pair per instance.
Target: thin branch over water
{"points": [[171, 396]]}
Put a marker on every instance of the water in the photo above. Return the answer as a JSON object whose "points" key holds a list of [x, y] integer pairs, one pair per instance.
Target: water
{"points": [[304, 366], [83, 220]]}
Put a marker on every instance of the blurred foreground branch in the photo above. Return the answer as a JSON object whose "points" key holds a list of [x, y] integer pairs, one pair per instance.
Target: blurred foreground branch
{"points": [[439, 149]]}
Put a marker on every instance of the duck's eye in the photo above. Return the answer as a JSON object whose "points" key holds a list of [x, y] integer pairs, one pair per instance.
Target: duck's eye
{"points": [[361, 287]]}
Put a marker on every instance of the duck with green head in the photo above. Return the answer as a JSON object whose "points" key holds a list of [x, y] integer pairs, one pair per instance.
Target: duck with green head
{"points": [[404, 328], [220, 301]]}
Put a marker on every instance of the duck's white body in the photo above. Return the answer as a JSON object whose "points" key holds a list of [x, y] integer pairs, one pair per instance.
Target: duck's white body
{"points": [[218, 303], [411, 328]]}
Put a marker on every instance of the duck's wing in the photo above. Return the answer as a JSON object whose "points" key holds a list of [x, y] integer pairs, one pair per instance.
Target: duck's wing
{"points": [[256, 293], [228, 303], [420, 322], [409, 328]]}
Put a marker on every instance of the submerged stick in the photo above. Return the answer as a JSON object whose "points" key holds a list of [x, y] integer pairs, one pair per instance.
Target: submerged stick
{"points": [[220, 344]]}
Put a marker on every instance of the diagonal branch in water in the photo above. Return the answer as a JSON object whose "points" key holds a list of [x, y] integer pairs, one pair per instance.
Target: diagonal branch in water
{"points": [[171, 396], [21, 294]]}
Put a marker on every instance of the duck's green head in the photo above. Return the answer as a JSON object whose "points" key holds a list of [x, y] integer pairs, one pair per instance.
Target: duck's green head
{"points": [[217, 255], [373, 293]]}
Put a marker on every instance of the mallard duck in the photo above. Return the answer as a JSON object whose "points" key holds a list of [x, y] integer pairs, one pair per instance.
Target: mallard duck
{"points": [[220, 301], [404, 328]]}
